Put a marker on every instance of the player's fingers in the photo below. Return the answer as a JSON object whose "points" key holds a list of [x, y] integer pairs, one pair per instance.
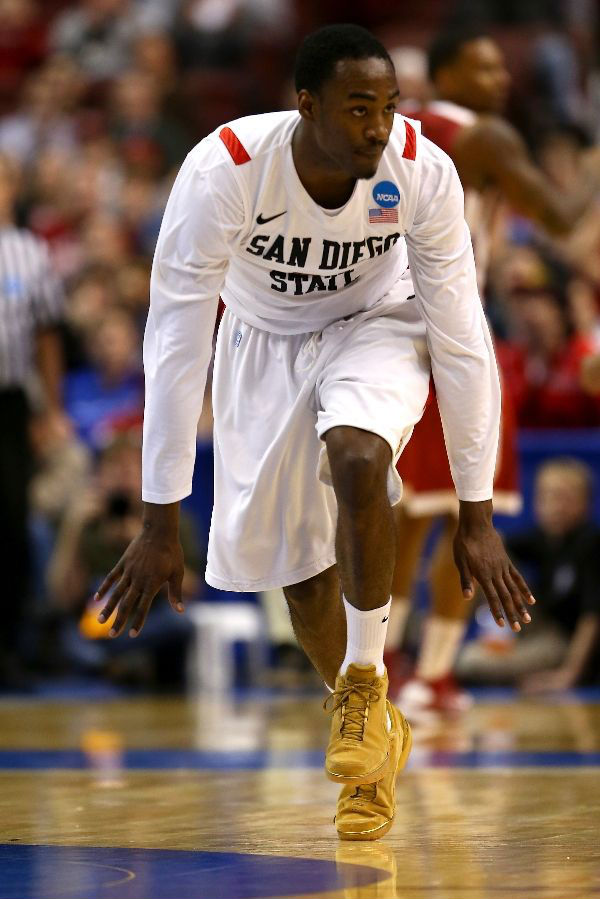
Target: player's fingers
{"points": [[175, 585], [108, 581], [126, 607], [517, 598], [507, 603], [464, 573], [493, 601], [114, 599], [141, 612], [522, 585]]}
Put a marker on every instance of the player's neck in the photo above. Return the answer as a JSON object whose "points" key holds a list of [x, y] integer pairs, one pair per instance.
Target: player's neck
{"points": [[323, 181]]}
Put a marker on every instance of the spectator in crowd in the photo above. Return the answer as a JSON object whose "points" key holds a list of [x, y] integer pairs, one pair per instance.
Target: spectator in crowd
{"points": [[148, 140], [99, 34], [22, 46], [590, 374], [154, 54], [109, 391], [62, 467], [30, 308], [92, 294], [561, 558], [220, 32], [95, 529], [542, 362], [44, 119], [61, 471]]}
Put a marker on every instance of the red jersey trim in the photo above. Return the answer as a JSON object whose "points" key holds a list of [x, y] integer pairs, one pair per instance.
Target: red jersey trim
{"points": [[410, 145], [236, 149]]}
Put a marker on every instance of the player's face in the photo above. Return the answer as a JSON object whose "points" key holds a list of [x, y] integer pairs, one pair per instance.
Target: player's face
{"points": [[482, 76], [353, 115]]}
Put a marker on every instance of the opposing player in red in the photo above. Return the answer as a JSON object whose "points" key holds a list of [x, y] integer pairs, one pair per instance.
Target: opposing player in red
{"points": [[471, 82]]}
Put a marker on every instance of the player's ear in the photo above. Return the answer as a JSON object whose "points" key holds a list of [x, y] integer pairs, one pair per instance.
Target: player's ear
{"points": [[306, 105]]}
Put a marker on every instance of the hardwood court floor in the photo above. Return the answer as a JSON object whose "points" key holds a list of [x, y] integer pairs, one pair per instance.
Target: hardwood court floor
{"points": [[135, 798]]}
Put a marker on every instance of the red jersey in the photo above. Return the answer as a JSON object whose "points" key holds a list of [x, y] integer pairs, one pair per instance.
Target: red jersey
{"points": [[423, 465], [442, 122]]}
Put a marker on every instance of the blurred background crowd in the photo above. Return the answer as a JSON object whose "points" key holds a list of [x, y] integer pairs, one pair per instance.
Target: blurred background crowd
{"points": [[100, 100]]}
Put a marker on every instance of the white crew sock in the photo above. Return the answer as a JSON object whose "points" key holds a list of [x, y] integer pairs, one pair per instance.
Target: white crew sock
{"points": [[397, 623], [441, 642], [366, 636]]}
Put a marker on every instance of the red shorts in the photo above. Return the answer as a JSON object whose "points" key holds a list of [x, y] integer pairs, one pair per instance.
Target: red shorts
{"points": [[425, 472]]}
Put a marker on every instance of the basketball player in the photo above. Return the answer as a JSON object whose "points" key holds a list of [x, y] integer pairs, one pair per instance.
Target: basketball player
{"points": [[304, 222], [471, 82]]}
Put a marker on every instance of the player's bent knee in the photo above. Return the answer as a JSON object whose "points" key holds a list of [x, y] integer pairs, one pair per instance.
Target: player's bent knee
{"points": [[359, 461]]}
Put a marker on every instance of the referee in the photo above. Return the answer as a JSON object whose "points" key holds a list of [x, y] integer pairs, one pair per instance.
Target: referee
{"points": [[31, 303]]}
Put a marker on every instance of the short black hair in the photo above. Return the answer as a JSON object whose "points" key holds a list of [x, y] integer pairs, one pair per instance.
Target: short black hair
{"points": [[321, 50], [446, 47]]}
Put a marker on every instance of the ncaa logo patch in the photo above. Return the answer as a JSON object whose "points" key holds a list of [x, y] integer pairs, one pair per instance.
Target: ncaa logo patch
{"points": [[386, 194]]}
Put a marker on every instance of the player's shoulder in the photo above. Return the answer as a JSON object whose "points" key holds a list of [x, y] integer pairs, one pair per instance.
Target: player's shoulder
{"points": [[491, 132], [409, 144], [405, 137], [441, 121], [245, 140]]}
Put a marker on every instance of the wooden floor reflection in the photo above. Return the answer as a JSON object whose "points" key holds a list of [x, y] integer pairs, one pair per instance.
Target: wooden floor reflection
{"points": [[502, 803]]}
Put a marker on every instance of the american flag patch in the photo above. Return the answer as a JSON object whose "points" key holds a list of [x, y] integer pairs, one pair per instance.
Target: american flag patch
{"points": [[379, 216]]}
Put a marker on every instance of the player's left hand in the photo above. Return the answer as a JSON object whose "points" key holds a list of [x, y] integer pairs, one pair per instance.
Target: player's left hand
{"points": [[479, 555]]}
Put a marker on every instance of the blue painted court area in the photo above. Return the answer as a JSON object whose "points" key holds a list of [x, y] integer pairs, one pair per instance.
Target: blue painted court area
{"points": [[258, 760], [61, 872]]}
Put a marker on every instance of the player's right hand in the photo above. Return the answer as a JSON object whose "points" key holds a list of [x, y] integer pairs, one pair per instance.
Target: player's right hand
{"points": [[146, 565]]}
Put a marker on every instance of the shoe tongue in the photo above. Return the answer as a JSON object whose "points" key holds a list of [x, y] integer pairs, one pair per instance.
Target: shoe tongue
{"points": [[358, 674]]}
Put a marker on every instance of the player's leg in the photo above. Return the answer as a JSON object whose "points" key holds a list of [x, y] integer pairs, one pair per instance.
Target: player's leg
{"points": [[365, 550], [411, 534], [447, 623], [434, 688], [369, 396], [359, 746], [319, 621]]}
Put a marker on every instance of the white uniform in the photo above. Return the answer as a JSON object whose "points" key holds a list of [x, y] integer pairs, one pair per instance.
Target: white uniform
{"points": [[322, 328]]}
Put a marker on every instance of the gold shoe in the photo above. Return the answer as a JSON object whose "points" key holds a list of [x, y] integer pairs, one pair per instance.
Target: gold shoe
{"points": [[366, 812], [359, 745]]}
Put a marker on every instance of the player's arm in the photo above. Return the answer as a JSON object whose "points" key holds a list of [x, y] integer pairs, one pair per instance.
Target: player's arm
{"points": [[466, 378], [493, 152], [199, 232]]}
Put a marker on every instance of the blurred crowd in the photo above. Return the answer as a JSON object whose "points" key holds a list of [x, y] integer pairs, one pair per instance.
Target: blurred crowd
{"points": [[100, 100]]}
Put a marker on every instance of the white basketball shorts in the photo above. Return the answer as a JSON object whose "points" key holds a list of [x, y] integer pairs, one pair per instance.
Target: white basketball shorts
{"points": [[274, 398]]}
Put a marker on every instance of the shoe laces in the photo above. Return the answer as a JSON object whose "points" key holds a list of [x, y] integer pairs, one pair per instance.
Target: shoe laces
{"points": [[354, 717]]}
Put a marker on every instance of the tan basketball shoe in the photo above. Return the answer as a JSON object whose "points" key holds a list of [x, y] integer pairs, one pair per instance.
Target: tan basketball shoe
{"points": [[367, 812], [359, 745]]}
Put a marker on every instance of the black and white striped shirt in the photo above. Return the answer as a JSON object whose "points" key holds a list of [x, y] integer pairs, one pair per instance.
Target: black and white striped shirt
{"points": [[31, 298]]}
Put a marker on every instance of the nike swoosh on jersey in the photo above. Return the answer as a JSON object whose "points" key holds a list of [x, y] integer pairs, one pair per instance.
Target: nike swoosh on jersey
{"points": [[262, 221]]}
